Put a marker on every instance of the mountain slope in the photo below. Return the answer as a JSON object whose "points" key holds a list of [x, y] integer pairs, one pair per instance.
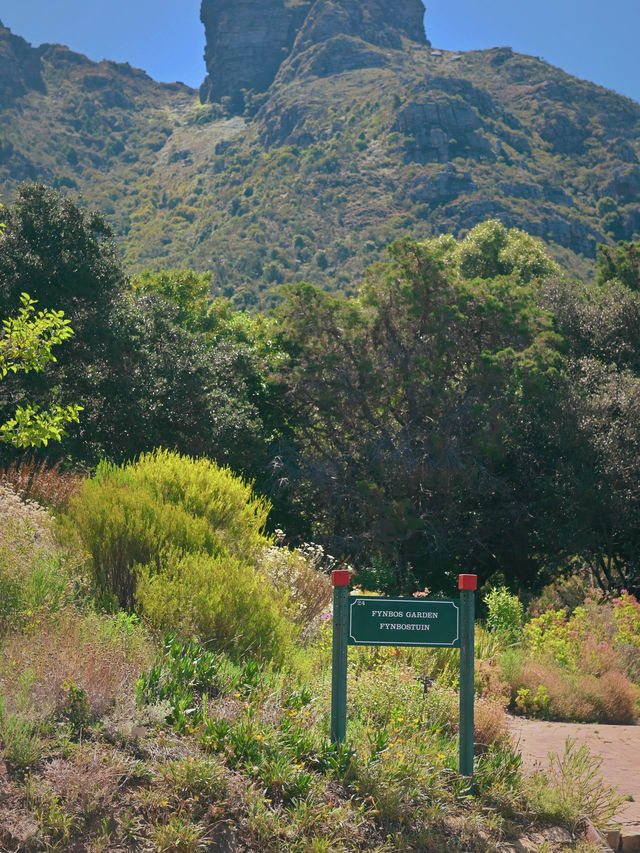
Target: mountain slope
{"points": [[354, 132]]}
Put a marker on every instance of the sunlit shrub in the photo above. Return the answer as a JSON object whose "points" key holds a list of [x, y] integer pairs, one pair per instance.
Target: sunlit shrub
{"points": [[218, 597], [302, 576], [626, 612], [163, 503], [506, 614]]}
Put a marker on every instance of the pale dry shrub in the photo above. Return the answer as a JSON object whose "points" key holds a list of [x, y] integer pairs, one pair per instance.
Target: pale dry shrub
{"points": [[49, 485], [100, 655], [302, 576], [24, 524], [581, 697], [489, 724], [86, 782]]}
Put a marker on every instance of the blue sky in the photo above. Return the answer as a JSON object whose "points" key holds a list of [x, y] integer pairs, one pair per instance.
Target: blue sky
{"points": [[588, 38]]}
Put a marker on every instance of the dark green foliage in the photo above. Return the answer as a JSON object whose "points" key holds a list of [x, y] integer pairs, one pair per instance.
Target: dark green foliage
{"points": [[151, 366], [416, 411], [621, 262], [597, 444], [60, 255]]}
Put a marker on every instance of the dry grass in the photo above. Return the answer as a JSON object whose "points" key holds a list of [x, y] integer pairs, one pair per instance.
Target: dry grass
{"points": [[490, 723], [99, 655], [46, 484], [87, 782], [580, 696]]}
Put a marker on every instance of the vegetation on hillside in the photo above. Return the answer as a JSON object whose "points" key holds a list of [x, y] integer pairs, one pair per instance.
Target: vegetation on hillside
{"points": [[115, 737], [313, 179], [470, 409]]}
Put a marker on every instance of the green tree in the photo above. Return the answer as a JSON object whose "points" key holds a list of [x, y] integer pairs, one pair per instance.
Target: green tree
{"points": [[187, 289], [597, 429], [151, 365], [26, 345], [621, 262], [417, 411]]}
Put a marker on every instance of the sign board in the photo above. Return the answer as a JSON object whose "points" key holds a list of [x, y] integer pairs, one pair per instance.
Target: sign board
{"points": [[375, 621], [372, 621]]}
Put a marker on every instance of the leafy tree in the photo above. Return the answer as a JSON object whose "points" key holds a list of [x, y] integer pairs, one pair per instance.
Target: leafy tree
{"points": [[149, 364], [26, 344], [187, 289], [412, 405], [65, 257], [621, 262], [60, 255], [600, 471], [491, 250], [598, 427]]}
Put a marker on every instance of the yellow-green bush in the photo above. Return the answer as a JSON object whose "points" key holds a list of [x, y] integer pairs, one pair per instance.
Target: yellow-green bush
{"points": [[163, 503], [217, 597], [179, 539]]}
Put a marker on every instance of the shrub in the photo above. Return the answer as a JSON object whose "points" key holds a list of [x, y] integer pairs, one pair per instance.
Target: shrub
{"points": [[35, 574], [46, 484], [626, 612], [163, 503], [545, 689], [302, 576], [573, 789], [220, 598], [505, 614]]}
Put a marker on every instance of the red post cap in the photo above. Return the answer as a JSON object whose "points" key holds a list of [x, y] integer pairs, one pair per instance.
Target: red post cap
{"points": [[340, 577], [468, 582]]}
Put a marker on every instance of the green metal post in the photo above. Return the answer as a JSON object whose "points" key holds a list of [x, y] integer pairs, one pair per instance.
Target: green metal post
{"points": [[467, 585], [340, 581]]}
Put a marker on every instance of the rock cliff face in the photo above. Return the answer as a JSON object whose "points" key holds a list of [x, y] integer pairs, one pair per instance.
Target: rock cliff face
{"points": [[20, 69], [248, 41]]}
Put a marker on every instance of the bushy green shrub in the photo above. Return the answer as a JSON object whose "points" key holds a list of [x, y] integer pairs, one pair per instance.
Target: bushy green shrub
{"points": [[179, 539], [218, 597], [163, 503], [506, 614]]}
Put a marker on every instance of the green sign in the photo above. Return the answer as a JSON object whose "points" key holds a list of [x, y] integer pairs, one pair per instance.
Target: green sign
{"points": [[377, 621]]}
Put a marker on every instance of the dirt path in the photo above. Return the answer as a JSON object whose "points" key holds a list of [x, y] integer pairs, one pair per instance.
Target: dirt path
{"points": [[617, 746]]}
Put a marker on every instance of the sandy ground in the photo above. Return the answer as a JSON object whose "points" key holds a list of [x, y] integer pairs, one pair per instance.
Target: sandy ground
{"points": [[617, 746]]}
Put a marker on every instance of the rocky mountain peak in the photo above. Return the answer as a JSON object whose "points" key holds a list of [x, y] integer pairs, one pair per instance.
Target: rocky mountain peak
{"points": [[247, 41]]}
